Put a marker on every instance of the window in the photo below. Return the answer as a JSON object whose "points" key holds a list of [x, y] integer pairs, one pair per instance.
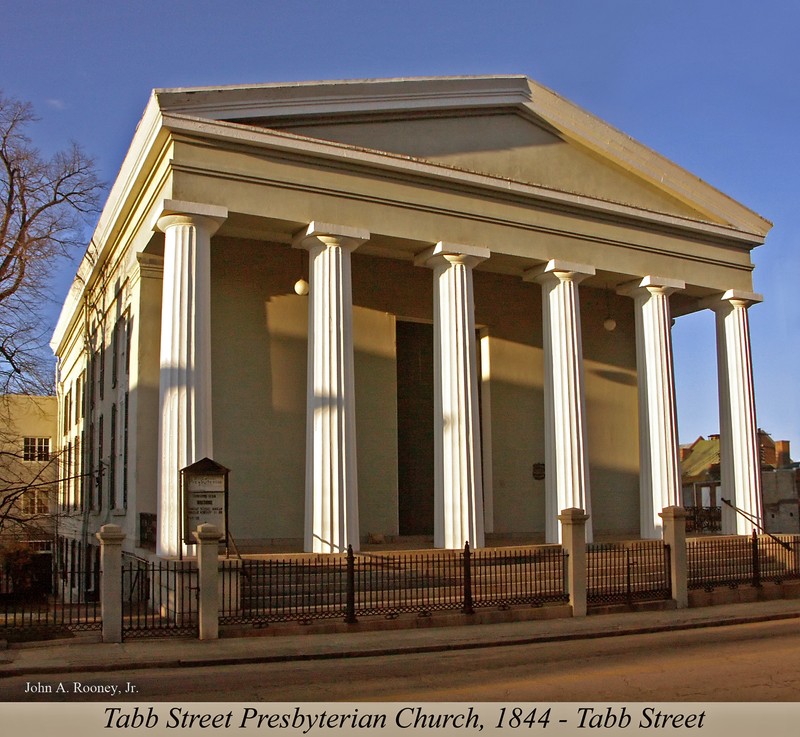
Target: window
{"points": [[86, 500], [69, 499], [102, 360], [112, 461], [100, 462], [67, 411], [36, 449], [90, 480], [115, 353], [77, 470], [125, 455], [79, 399], [92, 381], [36, 501], [128, 332]]}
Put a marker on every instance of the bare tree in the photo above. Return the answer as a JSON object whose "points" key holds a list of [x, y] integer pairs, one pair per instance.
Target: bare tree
{"points": [[44, 207], [27, 502]]}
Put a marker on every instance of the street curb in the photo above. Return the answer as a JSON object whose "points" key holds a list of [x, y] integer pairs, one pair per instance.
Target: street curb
{"points": [[387, 651]]}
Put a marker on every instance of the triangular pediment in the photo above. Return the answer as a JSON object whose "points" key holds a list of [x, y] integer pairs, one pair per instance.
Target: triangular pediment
{"points": [[505, 145], [507, 127]]}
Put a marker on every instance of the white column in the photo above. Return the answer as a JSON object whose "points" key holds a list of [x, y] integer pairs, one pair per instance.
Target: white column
{"points": [[331, 480], [184, 429], [740, 464], [567, 474], [458, 502], [659, 461]]}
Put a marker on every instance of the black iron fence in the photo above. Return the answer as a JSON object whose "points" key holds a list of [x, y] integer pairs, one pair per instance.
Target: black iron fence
{"points": [[703, 519], [627, 572], [159, 598], [733, 561], [49, 597], [505, 578], [305, 588]]}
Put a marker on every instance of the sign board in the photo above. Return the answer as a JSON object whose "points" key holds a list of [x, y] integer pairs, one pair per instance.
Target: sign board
{"points": [[205, 491]]}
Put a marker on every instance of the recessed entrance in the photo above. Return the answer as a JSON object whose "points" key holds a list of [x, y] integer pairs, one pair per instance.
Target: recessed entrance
{"points": [[415, 427]]}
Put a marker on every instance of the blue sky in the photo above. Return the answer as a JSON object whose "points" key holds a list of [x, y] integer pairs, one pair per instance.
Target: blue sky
{"points": [[714, 86]]}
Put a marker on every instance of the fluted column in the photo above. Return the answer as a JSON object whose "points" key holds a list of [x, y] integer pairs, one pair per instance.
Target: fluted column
{"points": [[184, 429], [331, 521], [567, 475], [458, 502], [740, 464], [659, 461]]}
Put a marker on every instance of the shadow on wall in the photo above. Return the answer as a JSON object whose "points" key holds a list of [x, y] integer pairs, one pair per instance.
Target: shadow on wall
{"points": [[259, 374]]}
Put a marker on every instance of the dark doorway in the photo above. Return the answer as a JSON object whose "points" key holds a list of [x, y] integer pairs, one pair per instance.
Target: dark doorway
{"points": [[415, 427]]}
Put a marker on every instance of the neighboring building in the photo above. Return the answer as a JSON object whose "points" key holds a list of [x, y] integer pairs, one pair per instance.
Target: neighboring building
{"points": [[28, 468], [780, 483], [493, 273], [703, 491]]}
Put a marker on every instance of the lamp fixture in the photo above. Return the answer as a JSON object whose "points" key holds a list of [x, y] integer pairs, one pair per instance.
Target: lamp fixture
{"points": [[610, 324], [301, 285]]}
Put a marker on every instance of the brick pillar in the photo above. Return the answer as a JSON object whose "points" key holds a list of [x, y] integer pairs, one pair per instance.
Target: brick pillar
{"points": [[111, 537], [573, 538], [674, 519], [208, 537]]}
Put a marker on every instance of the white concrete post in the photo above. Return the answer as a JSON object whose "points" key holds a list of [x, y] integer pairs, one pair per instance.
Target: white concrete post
{"points": [[674, 519], [111, 537], [331, 521], [185, 426], [208, 537], [573, 523], [659, 456], [740, 463], [567, 473], [458, 483]]}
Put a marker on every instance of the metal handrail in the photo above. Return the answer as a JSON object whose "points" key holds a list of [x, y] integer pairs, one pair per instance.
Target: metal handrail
{"points": [[755, 522]]}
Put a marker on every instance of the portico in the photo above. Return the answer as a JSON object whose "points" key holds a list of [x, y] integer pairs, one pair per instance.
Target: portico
{"points": [[493, 214]]}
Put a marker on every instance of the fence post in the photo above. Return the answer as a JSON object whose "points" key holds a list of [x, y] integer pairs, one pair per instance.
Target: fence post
{"points": [[467, 608], [350, 611], [675, 536], [756, 562], [208, 537], [573, 536], [111, 537]]}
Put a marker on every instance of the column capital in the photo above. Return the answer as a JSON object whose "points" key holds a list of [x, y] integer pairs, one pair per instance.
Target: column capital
{"points": [[652, 285], [177, 212], [561, 270], [731, 297], [329, 234], [444, 251]]}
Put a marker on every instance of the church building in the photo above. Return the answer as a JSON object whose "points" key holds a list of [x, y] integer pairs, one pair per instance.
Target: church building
{"points": [[434, 309]]}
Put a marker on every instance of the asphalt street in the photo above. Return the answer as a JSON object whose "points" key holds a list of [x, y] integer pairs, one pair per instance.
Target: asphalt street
{"points": [[743, 662]]}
